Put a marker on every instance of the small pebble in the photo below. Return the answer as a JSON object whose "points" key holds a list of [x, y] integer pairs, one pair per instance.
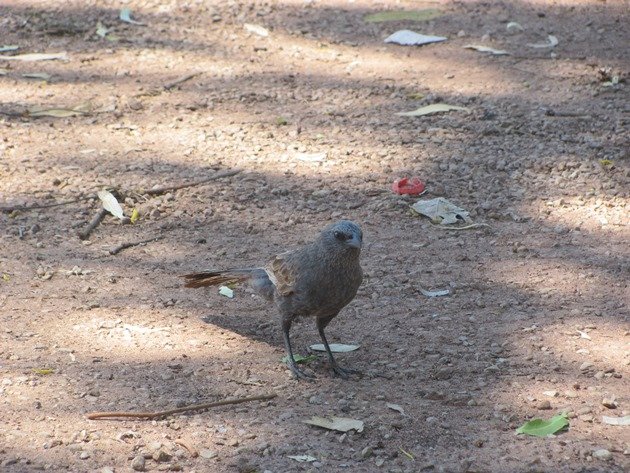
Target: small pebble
{"points": [[544, 406]]}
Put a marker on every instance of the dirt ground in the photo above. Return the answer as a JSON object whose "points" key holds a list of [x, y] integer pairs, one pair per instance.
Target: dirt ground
{"points": [[537, 319]]}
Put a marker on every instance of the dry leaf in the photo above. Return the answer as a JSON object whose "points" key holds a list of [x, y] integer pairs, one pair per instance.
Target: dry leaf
{"points": [[552, 42], [35, 57], [256, 29], [486, 49], [616, 420], [111, 204], [302, 458], [411, 38], [340, 424], [396, 408], [429, 109], [335, 347]]}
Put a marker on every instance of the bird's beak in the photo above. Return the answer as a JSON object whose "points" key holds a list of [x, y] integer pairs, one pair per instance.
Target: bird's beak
{"points": [[355, 242]]}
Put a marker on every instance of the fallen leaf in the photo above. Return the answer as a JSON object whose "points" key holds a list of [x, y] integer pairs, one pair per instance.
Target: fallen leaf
{"points": [[429, 109], [401, 15], [616, 420], [514, 27], [35, 57], [43, 371], [542, 428], [125, 15], [256, 29], [37, 75], [226, 291], [396, 408], [441, 211], [584, 335], [340, 424], [110, 203], [440, 293], [335, 347], [135, 215], [302, 458], [406, 453], [552, 42], [486, 49], [411, 38], [55, 112], [299, 358], [10, 47], [6, 277]]}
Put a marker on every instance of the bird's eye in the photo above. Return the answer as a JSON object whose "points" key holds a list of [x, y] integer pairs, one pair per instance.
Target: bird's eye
{"points": [[340, 236]]}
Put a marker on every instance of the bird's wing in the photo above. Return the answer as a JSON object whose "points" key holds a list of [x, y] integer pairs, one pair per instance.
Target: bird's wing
{"points": [[282, 273]]}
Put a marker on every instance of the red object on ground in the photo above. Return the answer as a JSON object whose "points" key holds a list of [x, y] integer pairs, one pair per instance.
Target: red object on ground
{"points": [[413, 186]]}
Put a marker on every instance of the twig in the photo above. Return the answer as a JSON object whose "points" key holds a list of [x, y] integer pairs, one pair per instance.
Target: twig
{"points": [[192, 450], [23, 208], [181, 80], [163, 189], [85, 234], [195, 407], [123, 246]]}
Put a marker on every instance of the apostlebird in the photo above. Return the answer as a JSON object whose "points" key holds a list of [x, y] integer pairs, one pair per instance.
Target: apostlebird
{"points": [[316, 280]]}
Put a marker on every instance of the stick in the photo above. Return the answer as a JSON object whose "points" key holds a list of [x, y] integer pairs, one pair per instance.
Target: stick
{"points": [[467, 227], [23, 208], [163, 189], [181, 80], [85, 234], [194, 407], [123, 246]]}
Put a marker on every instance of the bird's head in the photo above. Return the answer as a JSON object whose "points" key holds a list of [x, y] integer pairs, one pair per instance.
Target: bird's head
{"points": [[344, 234]]}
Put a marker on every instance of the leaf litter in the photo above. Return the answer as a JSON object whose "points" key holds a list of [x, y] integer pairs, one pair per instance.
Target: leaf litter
{"points": [[486, 49], [340, 424], [335, 347], [441, 211], [110, 203], [411, 38], [430, 109]]}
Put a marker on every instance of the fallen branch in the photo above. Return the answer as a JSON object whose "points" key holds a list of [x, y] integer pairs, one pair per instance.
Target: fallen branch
{"points": [[124, 246], [181, 80], [164, 189], [85, 234], [195, 407], [23, 208]]}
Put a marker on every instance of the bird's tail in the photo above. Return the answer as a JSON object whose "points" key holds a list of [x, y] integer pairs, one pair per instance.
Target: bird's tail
{"points": [[214, 278]]}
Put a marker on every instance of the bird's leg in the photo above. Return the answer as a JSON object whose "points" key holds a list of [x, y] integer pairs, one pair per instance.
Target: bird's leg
{"points": [[299, 374], [341, 372]]}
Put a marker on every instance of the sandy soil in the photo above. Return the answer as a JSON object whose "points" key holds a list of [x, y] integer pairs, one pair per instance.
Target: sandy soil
{"points": [[537, 321]]}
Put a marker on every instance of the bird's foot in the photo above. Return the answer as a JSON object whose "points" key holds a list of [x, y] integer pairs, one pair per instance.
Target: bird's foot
{"points": [[299, 374], [343, 373]]}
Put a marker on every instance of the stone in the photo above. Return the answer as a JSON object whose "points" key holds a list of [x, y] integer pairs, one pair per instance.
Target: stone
{"points": [[602, 454], [137, 464], [544, 406]]}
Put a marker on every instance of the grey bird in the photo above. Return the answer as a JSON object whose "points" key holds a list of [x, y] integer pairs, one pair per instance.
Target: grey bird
{"points": [[316, 280]]}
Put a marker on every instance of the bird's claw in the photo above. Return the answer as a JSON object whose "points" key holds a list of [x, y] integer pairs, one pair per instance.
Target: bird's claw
{"points": [[343, 373], [299, 374]]}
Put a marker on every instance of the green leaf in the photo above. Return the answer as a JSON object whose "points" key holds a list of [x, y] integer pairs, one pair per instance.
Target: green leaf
{"points": [[401, 15], [43, 371], [300, 358], [135, 215], [280, 121], [542, 428]]}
